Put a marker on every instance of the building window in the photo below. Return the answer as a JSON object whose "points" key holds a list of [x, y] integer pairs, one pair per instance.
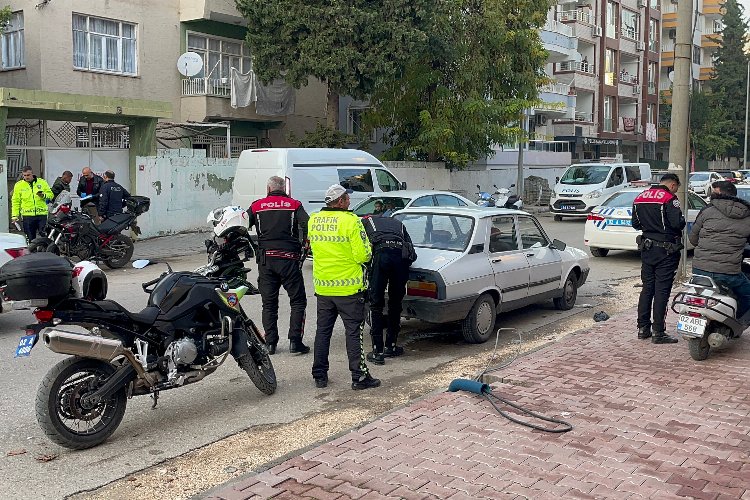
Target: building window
{"points": [[114, 137], [219, 55], [611, 19], [630, 24], [12, 42], [355, 123], [608, 121], [104, 45], [650, 116], [653, 69], [718, 26], [696, 54], [610, 70], [653, 35]]}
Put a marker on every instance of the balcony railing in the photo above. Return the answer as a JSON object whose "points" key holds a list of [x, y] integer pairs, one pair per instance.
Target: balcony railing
{"points": [[609, 124], [628, 78], [665, 85], [629, 32], [651, 88], [556, 88], [205, 86], [558, 27], [550, 146], [582, 67], [577, 15], [584, 117]]}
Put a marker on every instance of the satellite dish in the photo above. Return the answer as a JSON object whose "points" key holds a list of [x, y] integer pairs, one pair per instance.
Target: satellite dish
{"points": [[670, 75], [189, 64]]}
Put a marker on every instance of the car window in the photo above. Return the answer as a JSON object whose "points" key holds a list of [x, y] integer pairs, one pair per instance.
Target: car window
{"points": [[616, 178], [633, 172], [356, 179], [424, 201], [386, 181], [446, 200], [531, 235], [585, 174], [621, 199], [378, 204], [695, 202], [700, 177], [444, 232], [503, 235], [744, 193]]}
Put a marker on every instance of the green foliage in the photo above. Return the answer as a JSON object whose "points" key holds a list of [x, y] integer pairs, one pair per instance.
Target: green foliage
{"points": [[466, 89], [5, 14], [322, 137], [729, 77]]}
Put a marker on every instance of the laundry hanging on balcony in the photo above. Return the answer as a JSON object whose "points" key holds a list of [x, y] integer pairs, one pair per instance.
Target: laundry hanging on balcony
{"points": [[275, 99], [242, 91]]}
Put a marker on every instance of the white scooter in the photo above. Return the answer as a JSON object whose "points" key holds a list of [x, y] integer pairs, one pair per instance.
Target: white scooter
{"points": [[503, 198]]}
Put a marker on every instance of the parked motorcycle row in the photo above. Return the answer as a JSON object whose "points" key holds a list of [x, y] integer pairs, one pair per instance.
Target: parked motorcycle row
{"points": [[500, 198]]}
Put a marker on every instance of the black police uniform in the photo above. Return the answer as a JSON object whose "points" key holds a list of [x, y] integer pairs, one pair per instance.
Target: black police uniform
{"points": [[112, 198], [281, 223], [391, 245], [656, 212]]}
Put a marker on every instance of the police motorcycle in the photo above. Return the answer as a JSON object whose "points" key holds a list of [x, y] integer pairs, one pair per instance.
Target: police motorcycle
{"points": [[500, 198], [708, 313], [192, 323]]}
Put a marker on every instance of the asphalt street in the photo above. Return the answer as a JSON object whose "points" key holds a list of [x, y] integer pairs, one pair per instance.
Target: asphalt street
{"points": [[226, 402]]}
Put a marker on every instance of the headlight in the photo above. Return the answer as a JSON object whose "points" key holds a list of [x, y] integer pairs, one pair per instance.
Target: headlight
{"points": [[594, 194]]}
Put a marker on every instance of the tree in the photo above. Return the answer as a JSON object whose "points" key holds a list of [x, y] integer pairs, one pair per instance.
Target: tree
{"points": [[5, 14], [321, 137], [350, 45], [729, 78], [468, 87]]}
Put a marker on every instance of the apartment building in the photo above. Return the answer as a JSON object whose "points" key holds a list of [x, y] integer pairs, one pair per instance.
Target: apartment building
{"points": [[707, 28], [97, 83], [604, 68]]}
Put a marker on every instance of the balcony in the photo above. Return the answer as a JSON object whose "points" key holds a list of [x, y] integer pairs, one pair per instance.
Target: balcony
{"points": [[577, 66], [578, 117], [629, 32], [577, 15], [206, 99], [665, 85], [558, 41], [206, 87], [628, 78], [555, 88], [222, 11]]}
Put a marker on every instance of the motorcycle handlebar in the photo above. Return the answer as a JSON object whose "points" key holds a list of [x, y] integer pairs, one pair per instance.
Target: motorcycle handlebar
{"points": [[149, 283]]}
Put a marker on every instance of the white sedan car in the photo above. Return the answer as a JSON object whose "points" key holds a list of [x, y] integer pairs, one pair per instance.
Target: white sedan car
{"points": [[398, 200], [700, 182], [608, 226]]}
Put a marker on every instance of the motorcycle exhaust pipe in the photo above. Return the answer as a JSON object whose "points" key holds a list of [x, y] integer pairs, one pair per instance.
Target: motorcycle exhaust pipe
{"points": [[81, 344]]}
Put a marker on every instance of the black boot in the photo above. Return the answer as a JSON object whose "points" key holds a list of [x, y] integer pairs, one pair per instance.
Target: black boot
{"points": [[376, 357], [392, 352], [663, 338], [297, 347], [644, 332], [366, 382], [271, 349]]}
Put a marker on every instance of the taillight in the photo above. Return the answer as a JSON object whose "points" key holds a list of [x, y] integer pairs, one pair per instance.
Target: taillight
{"points": [[422, 289], [16, 252], [594, 217], [44, 315], [65, 209], [692, 300]]}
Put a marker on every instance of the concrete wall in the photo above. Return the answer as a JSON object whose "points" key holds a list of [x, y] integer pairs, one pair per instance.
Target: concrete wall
{"points": [[184, 186], [421, 175]]}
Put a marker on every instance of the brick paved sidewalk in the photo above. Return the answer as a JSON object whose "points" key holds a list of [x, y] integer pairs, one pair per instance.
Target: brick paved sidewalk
{"points": [[649, 422]]}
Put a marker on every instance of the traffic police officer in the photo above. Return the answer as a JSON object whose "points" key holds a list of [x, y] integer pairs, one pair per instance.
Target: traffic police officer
{"points": [[281, 224], [392, 253], [340, 249], [656, 212]]}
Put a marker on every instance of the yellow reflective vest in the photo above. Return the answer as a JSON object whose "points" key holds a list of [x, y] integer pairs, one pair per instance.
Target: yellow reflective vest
{"points": [[25, 200], [340, 249]]}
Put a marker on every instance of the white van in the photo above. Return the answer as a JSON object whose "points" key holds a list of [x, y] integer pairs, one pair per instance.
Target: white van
{"points": [[584, 186], [309, 172]]}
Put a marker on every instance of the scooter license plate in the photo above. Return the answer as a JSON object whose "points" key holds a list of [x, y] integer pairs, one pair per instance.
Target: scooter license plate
{"points": [[691, 326], [25, 345]]}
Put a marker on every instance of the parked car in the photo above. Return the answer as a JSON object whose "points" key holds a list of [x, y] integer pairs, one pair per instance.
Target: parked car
{"points": [[12, 245], [411, 198], [743, 192], [733, 176], [608, 226], [475, 262], [700, 182], [745, 174]]}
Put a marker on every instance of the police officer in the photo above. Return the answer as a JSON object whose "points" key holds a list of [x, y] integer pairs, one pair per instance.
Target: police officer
{"points": [[340, 249], [392, 252], [112, 197], [656, 212], [281, 224], [29, 201]]}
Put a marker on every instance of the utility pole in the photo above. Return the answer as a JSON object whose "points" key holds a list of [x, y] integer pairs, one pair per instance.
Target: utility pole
{"points": [[519, 178], [747, 103], [678, 135]]}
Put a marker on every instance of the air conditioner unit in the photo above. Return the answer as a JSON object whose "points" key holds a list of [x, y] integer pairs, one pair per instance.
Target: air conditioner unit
{"points": [[641, 4], [640, 46], [541, 119], [596, 31], [636, 90], [673, 34]]}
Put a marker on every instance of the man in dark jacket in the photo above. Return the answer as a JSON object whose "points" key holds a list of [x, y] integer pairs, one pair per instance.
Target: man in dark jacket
{"points": [[62, 183], [391, 249], [89, 184], [719, 234], [657, 213], [112, 196], [281, 223]]}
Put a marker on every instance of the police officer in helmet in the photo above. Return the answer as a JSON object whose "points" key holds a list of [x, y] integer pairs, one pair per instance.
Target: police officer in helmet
{"points": [[657, 213]]}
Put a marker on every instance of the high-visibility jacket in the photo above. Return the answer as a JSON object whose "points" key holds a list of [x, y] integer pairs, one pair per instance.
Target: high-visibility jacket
{"points": [[25, 200], [340, 249]]}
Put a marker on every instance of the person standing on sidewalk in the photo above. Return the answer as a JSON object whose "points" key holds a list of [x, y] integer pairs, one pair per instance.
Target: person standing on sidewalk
{"points": [[281, 224], [30, 197], [340, 249], [113, 196], [392, 254], [657, 213], [62, 183], [719, 235]]}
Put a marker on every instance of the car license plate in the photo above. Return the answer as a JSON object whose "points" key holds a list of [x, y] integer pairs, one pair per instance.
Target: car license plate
{"points": [[619, 222], [567, 207], [25, 345], [692, 326]]}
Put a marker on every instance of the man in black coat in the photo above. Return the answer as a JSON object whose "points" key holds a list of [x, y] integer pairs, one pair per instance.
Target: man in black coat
{"points": [[112, 196], [89, 184], [62, 183]]}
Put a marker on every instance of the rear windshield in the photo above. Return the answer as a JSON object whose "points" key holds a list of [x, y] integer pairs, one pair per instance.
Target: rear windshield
{"points": [[446, 232], [585, 174], [699, 177], [621, 199]]}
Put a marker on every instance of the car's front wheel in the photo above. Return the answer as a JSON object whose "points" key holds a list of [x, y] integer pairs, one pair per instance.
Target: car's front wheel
{"points": [[599, 252], [570, 293], [479, 324]]}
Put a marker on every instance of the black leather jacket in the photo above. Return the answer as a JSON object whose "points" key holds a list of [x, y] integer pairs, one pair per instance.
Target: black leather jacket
{"points": [[657, 213]]}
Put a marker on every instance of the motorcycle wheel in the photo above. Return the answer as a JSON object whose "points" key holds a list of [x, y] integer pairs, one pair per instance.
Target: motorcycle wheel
{"points": [[122, 247], [58, 408], [39, 245], [258, 365], [699, 348]]}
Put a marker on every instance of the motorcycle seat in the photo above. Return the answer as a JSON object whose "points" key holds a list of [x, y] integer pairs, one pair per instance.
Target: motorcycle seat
{"points": [[115, 223], [146, 317]]}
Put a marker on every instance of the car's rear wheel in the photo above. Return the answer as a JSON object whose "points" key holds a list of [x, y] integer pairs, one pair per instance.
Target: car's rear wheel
{"points": [[558, 218], [599, 252], [570, 294], [479, 324]]}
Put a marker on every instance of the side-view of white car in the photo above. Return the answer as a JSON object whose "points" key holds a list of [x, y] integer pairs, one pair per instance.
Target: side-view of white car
{"points": [[609, 226], [700, 182]]}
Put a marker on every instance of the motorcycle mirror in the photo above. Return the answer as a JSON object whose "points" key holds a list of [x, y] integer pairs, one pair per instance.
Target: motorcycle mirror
{"points": [[494, 186], [479, 188], [141, 263]]}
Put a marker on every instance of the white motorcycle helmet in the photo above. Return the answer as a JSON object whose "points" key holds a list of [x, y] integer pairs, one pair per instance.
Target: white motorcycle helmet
{"points": [[226, 219]]}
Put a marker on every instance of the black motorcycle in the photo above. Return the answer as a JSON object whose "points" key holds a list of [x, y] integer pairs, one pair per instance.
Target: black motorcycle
{"points": [[192, 323], [73, 233]]}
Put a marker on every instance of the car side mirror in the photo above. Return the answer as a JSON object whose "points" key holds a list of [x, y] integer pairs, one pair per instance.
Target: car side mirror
{"points": [[557, 179], [558, 245], [512, 185], [403, 186]]}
